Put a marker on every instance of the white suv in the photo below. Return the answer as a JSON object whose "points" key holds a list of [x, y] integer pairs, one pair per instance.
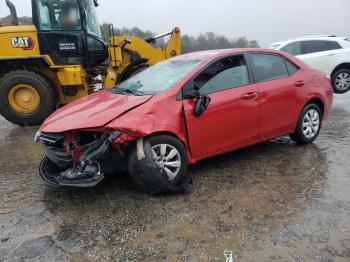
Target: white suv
{"points": [[328, 53]]}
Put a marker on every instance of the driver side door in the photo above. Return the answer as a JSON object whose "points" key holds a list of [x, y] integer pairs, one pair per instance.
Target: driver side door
{"points": [[232, 118]]}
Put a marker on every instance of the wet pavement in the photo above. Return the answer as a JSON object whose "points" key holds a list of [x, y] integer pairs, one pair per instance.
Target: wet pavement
{"points": [[272, 202]]}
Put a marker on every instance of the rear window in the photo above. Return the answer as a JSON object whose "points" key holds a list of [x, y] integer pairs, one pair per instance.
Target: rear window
{"points": [[292, 68], [332, 45], [314, 46], [269, 67]]}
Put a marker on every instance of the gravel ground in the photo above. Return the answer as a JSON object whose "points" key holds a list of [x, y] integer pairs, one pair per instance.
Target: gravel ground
{"points": [[272, 202]]}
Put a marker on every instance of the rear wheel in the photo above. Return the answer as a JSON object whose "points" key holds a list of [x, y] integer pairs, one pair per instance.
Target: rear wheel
{"points": [[341, 81], [309, 125], [163, 168], [26, 98]]}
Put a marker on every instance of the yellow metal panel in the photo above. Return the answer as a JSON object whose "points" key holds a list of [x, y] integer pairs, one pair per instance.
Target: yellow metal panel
{"points": [[64, 99], [17, 29], [121, 46], [70, 76], [18, 41]]}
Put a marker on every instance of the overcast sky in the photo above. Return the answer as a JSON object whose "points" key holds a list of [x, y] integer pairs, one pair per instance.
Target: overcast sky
{"points": [[263, 20]]}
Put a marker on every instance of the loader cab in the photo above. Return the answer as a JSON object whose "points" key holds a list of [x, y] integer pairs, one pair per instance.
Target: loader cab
{"points": [[68, 31]]}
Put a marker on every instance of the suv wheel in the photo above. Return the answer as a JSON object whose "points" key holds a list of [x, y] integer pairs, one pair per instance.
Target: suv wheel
{"points": [[341, 81]]}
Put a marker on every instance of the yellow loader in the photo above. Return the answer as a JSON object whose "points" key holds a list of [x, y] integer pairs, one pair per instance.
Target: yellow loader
{"points": [[57, 59]]}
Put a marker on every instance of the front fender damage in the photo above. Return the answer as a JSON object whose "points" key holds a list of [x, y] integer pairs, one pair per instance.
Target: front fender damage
{"points": [[106, 156], [148, 176]]}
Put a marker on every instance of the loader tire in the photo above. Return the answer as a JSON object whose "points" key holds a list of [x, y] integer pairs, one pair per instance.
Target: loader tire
{"points": [[26, 98]]}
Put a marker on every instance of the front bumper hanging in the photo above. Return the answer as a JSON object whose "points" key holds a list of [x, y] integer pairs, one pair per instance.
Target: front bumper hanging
{"points": [[88, 173]]}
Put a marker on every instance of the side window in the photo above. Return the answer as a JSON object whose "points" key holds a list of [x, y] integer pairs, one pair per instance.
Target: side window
{"points": [[45, 22], [293, 48], [94, 45], [332, 45], [292, 68], [314, 46], [58, 15], [269, 67], [224, 74]]}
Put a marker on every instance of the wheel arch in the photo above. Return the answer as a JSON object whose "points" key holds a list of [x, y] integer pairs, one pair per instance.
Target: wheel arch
{"points": [[20, 62], [38, 65], [318, 102], [341, 66], [181, 139], [169, 133]]}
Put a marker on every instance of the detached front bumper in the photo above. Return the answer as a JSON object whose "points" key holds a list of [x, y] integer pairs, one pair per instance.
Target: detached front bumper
{"points": [[87, 175], [58, 168]]}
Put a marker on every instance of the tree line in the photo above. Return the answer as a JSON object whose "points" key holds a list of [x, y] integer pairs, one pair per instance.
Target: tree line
{"points": [[204, 41]]}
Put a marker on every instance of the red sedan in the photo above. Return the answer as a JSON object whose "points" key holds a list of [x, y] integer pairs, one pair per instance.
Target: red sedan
{"points": [[180, 111]]}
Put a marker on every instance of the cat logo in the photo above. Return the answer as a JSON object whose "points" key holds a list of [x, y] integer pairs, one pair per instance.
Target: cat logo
{"points": [[24, 42]]}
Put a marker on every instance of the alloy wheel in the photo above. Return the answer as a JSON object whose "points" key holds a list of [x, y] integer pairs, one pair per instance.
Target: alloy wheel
{"points": [[311, 123], [342, 81], [168, 159]]}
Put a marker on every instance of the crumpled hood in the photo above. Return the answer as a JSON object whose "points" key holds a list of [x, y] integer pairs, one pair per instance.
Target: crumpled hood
{"points": [[92, 111]]}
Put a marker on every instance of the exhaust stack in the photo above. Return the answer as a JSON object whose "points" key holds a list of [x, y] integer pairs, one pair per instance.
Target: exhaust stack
{"points": [[13, 12]]}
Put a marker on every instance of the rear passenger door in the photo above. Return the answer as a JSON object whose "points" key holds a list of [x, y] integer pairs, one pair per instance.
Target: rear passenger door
{"points": [[278, 81], [319, 54]]}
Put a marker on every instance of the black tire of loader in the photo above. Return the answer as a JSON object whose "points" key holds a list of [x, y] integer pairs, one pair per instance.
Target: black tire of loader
{"points": [[48, 97], [147, 175]]}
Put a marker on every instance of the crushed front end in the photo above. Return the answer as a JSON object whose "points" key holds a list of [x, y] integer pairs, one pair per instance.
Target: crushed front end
{"points": [[79, 158]]}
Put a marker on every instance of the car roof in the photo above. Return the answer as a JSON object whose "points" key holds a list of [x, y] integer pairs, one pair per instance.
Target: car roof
{"points": [[315, 37], [210, 55], [213, 54]]}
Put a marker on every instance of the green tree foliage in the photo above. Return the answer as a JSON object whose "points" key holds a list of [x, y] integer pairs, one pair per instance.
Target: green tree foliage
{"points": [[211, 40]]}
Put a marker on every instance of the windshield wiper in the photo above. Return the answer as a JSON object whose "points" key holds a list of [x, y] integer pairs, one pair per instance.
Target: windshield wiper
{"points": [[128, 92]]}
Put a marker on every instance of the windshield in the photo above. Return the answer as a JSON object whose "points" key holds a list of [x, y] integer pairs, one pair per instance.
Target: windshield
{"points": [[92, 24], [157, 78]]}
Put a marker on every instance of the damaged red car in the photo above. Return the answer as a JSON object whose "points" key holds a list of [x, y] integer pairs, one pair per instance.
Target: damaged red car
{"points": [[180, 111]]}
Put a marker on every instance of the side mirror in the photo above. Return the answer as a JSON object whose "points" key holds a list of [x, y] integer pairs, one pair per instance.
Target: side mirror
{"points": [[201, 105], [192, 91]]}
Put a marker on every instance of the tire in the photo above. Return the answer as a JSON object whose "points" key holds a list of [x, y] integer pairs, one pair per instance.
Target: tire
{"points": [[149, 176], [308, 130], [42, 96], [339, 77]]}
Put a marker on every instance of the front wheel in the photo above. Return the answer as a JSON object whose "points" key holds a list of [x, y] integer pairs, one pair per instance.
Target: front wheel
{"points": [[26, 98], [341, 81], [309, 125], [163, 168]]}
